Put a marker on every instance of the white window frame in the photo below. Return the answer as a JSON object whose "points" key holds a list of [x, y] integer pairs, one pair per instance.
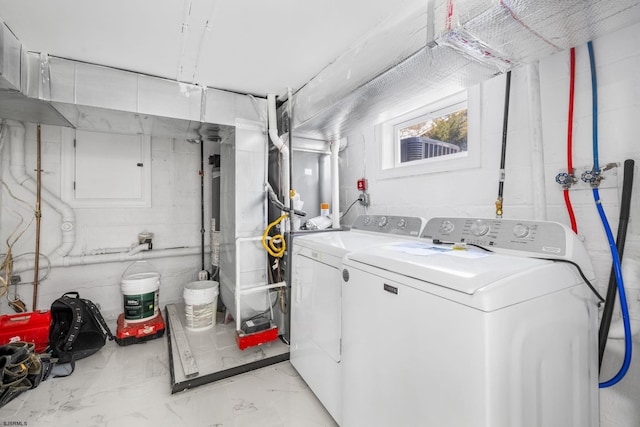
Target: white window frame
{"points": [[389, 142]]}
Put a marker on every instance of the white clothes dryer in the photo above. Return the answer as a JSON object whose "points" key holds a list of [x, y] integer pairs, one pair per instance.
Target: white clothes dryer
{"points": [[316, 300], [442, 333]]}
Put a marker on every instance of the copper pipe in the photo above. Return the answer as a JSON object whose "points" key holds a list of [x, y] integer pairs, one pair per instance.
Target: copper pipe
{"points": [[38, 214]]}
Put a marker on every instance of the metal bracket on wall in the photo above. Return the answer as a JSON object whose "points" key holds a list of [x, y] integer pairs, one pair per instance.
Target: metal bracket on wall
{"points": [[607, 177]]}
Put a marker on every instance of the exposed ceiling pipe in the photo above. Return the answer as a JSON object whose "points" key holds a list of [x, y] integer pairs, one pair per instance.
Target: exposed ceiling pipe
{"points": [[290, 133], [281, 146], [536, 145], [335, 185]]}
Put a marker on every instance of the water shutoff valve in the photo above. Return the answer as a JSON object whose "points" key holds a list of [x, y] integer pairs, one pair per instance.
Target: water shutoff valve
{"points": [[562, 178], [146, 237], [565, 179], [591, 177]]}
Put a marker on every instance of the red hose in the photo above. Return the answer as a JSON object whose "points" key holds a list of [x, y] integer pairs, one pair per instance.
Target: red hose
{"points": [[572, 217], [567, 200]]}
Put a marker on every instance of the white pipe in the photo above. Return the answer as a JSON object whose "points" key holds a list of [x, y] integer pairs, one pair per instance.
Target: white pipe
{"points": [[137, 249], [239, 291], [59, 256], [536, 144], [335, 185], [102, 251], [71, 261], [281, 146], [19, 174]]}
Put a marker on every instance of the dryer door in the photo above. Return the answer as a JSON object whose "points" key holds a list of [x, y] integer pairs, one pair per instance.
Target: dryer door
{"points": [[316, 309], [316, 322]]}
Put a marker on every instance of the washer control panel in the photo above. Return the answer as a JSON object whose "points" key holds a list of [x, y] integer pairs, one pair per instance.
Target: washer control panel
{"points": [[389, 224], [540, 237]]}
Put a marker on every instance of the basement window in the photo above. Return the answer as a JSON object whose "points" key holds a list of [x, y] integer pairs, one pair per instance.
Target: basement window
{"points": [[440, 136]]}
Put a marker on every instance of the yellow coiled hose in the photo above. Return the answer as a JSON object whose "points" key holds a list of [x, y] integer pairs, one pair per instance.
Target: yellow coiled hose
{"points": [[270, 246]]}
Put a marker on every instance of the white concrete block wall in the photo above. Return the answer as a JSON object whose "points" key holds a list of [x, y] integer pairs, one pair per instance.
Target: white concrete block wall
{"points": [[473, 192], [174, 218]]}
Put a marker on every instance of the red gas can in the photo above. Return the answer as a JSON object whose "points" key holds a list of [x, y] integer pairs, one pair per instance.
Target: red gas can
{"points": [[31, 327]]}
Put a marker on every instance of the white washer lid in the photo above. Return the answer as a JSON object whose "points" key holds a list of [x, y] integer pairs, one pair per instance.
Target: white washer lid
{"points": [[339, 243], [467, 270]]}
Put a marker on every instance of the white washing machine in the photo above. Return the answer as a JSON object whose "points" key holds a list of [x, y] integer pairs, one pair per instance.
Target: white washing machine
{"points": [[316, 300], [436, 334]]}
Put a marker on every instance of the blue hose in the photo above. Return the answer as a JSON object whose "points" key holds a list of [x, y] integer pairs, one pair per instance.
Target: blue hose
{"points": [[612, 244], [623, 299]]}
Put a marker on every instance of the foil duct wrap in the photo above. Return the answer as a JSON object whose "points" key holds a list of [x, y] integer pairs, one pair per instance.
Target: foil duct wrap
{"points": [[506, 33], [420, 77], [472, 41]]}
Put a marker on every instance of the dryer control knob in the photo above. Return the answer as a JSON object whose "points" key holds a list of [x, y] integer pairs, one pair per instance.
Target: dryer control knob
{"points": [[521, 231], [479, 228], [447, 226]]}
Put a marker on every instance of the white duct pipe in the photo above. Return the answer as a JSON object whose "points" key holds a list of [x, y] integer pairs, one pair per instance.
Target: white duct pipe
{"points": [[335, 185], [281, 146], [536, 144], [18, 172]]}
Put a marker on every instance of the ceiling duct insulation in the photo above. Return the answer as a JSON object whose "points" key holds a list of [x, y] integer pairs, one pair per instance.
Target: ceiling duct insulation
{"points": [[99, 98], [13, 104], [9, 59], [507, 33], [393, 41], [396, 90], [472, 41], [62, 92]]}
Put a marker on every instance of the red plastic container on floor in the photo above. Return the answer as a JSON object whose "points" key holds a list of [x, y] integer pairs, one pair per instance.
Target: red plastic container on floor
{"points": [[30, 327], [249, 340], [137, 332]]}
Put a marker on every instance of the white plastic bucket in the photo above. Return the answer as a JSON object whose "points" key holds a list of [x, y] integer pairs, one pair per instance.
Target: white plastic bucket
{"points": [[201, 302], [140, 295]]}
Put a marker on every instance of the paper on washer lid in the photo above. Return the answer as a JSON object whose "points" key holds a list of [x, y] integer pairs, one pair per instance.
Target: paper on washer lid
{"points": [[464, 271], [425, 249]]}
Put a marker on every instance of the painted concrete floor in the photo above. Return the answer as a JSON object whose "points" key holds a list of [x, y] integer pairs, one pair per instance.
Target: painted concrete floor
{"points": [[131, 386]]}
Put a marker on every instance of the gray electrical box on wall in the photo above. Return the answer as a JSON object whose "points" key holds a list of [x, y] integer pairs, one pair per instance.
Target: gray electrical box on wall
{"points": [[107, 170]]}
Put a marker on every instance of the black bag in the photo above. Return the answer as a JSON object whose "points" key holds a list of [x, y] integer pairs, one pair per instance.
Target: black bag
{"points": [[21, 369], [77, 329]]}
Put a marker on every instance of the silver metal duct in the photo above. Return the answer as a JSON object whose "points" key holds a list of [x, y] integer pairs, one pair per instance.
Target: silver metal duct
{"points": [[105, 99], [13, 104], [62, 92], [473, 40], [9, 59]]}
